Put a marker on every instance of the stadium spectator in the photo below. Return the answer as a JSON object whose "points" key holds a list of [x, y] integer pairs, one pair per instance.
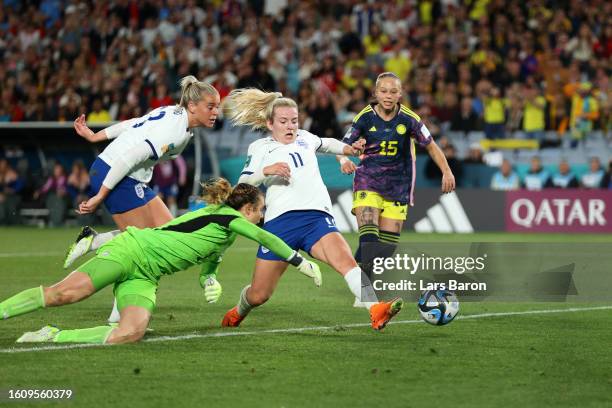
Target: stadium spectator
{"points": [[55, 192], [78, 184], [537, 177], [596, 175], [534, 113], [98, 114], [475, 154], [324, 122], [465, 119], [168, 177], [584, 111], [564, 177], [161, 97], [494, 114], [10, 186], [506, 178]]}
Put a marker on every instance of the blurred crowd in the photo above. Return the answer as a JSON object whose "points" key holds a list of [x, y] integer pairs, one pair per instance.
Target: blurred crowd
{"points": [[61, 191], [505, 68], [492, 65]]}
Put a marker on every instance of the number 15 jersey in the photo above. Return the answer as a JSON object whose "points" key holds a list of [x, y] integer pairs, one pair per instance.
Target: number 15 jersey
{"points": [[388, 163], [305, 189]]}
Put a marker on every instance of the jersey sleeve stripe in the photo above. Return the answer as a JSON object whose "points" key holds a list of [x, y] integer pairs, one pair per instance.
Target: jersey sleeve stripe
{"points": [[246, 173], [410, 113], [364, 110], [197, 223], [152, 149]]}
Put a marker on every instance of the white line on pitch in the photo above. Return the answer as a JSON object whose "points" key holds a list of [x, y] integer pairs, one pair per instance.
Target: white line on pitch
{"points": [[301, 329]]}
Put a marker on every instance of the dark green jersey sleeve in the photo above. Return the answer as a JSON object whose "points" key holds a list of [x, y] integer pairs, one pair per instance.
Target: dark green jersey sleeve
{"points": [[251, 231], [209, 268]]}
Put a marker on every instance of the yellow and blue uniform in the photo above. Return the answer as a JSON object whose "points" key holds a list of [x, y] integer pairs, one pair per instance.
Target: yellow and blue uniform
{"points": [[385, 178]]}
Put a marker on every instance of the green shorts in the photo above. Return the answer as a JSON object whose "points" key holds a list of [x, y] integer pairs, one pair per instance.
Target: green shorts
{"points": [[130, 289]]}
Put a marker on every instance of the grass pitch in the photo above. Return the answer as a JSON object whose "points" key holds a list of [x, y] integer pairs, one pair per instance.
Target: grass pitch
{"points": [[306, 347]]}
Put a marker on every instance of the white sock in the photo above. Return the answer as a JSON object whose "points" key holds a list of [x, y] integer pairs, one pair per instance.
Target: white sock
{"points": [[103, 238], [243, 304], [359, 284], [114, 316]]}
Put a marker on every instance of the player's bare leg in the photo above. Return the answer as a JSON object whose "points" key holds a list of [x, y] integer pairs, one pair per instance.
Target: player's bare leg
{"points": [[333, 250], [132, 325], [265, 278]]}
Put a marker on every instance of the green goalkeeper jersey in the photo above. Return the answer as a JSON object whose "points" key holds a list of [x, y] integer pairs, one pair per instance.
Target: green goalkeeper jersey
{"points": [[198, 237]]}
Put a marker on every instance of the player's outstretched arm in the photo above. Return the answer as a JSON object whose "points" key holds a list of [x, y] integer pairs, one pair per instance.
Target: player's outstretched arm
{"points": [[448, 179], [111, 132], [278, 246]]}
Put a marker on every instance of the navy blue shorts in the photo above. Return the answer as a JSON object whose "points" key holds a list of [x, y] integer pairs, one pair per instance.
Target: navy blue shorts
{"points": [[168, 191], [127, 194], [299, 230]]}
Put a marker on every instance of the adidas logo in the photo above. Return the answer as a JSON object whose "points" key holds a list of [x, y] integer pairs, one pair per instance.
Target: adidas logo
{"points": [[373, 129], [447, 216]]}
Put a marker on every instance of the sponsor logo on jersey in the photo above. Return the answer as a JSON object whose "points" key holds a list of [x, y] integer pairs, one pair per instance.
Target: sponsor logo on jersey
{"points": [[166, 148], [400, 129], [302, 143], [264, 250], [138, 188], [373, 129]]}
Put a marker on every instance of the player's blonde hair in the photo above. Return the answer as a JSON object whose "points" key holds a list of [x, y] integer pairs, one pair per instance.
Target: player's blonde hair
{"points": [[387, 74], [253, 107], [219, 191], [193, 90]]}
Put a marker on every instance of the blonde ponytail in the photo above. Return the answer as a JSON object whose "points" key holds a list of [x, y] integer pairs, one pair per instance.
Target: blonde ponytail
{"points": [[253, 107], [192, 90], [216, 190], [220, 191]]}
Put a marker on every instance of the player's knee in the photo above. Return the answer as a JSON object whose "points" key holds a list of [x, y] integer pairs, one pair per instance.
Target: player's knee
{"points": [[258, 297], [123, 335]]}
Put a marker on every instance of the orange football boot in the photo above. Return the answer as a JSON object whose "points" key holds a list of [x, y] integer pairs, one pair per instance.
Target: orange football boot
{"points": [[382, 312], [232, 318]]}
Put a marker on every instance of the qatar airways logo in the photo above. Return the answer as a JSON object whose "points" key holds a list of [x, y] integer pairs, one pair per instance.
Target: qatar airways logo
{"points": [[530, 213]]}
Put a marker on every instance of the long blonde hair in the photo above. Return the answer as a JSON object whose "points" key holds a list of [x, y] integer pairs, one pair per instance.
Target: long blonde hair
{"points": [[253, 107], [192, 90]]}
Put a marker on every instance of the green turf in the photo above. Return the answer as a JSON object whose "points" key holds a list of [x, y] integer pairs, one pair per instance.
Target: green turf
{"points": [[536, 360]]}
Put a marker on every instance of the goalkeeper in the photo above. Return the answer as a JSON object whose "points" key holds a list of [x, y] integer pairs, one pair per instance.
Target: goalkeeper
{"points": [[136, 260]]}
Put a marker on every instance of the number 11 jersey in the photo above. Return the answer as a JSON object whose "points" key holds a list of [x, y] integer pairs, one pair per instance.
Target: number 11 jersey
{"points": [[304, 190]]}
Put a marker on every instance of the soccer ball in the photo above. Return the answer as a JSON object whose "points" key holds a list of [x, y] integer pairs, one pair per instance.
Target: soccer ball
{"points": [[438, 307]]}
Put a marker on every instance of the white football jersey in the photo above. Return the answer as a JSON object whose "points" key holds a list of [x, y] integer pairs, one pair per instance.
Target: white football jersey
{"points": [[305, 189], [163, 129]]}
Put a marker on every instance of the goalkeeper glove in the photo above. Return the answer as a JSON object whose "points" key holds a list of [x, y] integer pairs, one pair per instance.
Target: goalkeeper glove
{"points": [[212, 290], [307, 267]]}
